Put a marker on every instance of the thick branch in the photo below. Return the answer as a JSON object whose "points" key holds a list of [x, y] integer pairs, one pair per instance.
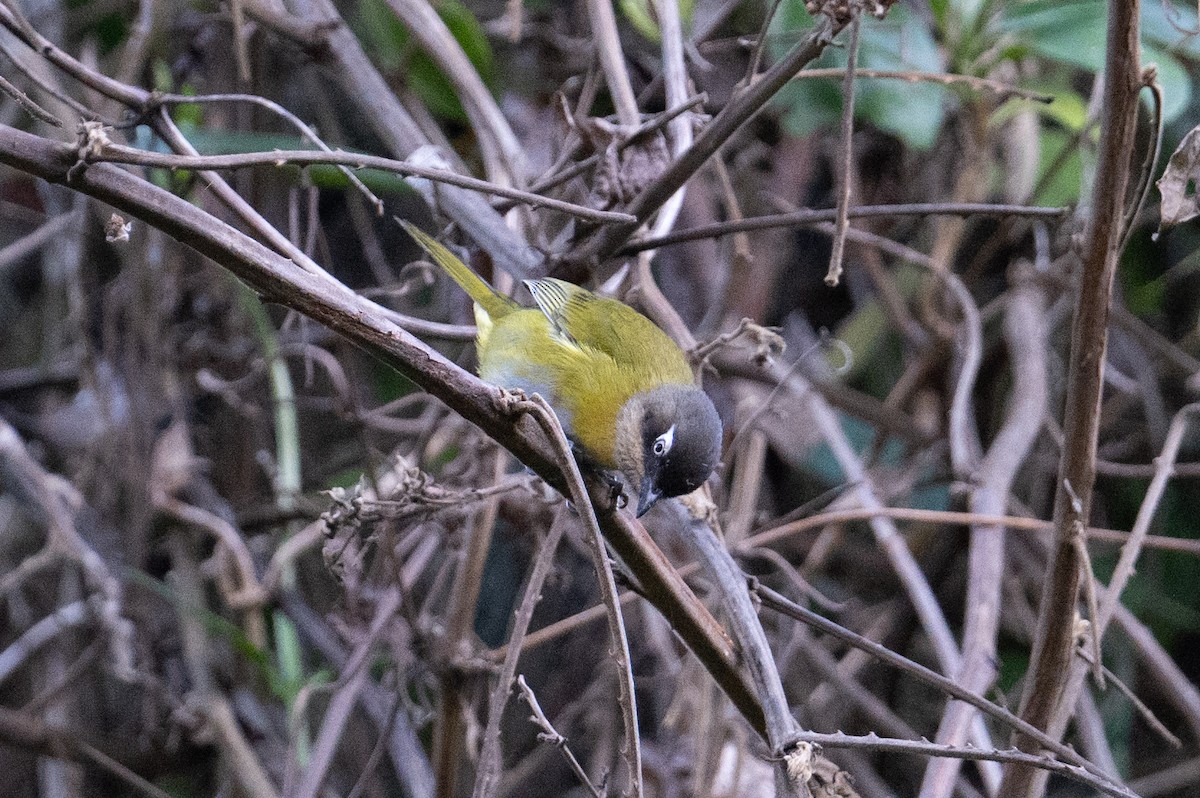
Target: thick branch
{"points": [[1055, 638]]}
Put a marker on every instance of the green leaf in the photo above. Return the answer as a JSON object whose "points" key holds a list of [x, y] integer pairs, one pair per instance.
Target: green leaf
{"points": [[1070, 31], [392, 45], [912, 111], [1063, 187], [1068, 109], [642, 16], [1075, 32], [1166, 26]]}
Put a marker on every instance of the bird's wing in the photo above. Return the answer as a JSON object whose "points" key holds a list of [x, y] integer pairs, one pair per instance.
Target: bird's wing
{"points": [[559, 301], [587, 321]]}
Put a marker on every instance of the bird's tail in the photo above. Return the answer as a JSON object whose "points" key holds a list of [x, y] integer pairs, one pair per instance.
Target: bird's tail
{"points": [[493, 303]]}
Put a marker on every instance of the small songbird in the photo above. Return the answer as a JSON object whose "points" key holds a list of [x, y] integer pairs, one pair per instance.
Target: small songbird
{"points": [[622, 390]]}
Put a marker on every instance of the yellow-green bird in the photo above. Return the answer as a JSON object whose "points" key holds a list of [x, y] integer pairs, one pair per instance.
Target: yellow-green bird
{"points": [[622, 390]]}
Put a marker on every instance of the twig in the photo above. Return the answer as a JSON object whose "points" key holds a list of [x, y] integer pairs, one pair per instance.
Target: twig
{"points": [[983, 84], [808, 217], [25, 245], [653, 123], [500, 148], [26, 102], [1025, 337], [1151, 720], [873, 742], [1163, 468], [488, 771], [755, 60], [409, 760], [903, 563], [608, 587], [250, 594], [551, 735], [1123, 571], [961, 432], [77, 613], [244, 765], [352, 679], [951, 687], [21, 730], [680, 130], [1168, 780], [51, 502], [783, 731], [448, 737], [612, 59], [305, 130], [772, 535], [1177, 687], [845, 162], [740, 110], [117, 153]]}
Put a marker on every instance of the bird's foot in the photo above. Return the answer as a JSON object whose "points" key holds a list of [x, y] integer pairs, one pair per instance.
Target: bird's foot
{"points": [[616, 490], [511, 401]]}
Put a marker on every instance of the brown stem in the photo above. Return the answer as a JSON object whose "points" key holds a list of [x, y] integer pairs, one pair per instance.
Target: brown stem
{"points": [[739, 111], [1055, 637]]}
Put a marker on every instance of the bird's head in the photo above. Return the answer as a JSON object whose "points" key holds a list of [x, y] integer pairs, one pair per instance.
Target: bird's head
{"points": [[668, 441]]}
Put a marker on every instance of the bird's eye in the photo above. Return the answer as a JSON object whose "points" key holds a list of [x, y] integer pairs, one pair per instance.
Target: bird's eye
{"points": [[662, 444]]}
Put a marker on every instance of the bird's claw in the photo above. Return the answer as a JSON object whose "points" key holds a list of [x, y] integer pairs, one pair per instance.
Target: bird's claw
{"points": [[511, 401]]}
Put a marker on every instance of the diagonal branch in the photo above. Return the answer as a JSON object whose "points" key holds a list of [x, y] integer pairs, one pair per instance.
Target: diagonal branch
{"points": [[341, 310], [740, 110]]}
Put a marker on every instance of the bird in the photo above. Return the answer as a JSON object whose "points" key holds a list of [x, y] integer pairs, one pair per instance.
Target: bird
{"points": [[621, 388]]}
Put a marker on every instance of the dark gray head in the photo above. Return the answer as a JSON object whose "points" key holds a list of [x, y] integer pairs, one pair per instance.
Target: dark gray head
{"points": [[668, 441]]}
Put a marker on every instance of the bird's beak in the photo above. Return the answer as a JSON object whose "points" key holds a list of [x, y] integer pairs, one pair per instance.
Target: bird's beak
{"points": [[647, 496]]}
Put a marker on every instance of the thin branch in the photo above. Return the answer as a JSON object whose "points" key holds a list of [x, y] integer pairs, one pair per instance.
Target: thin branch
{"points": [[659, 120], [116, 153], [1025, 337], [306, 131], [27, 103], [772, 535], [845, 162], [951, 687], [873, 742], [500, 148], [608, 586], [77, 613], [717, 563], [488, 770], [28, 244], [24, 731], [551, 735], [946, 79], [809, 217], [740, 110], [612, 59], [353, 678], [1163, 470]]}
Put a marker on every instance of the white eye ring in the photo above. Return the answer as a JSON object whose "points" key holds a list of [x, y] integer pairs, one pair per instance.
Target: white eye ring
{"points": [[663, 443]]}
